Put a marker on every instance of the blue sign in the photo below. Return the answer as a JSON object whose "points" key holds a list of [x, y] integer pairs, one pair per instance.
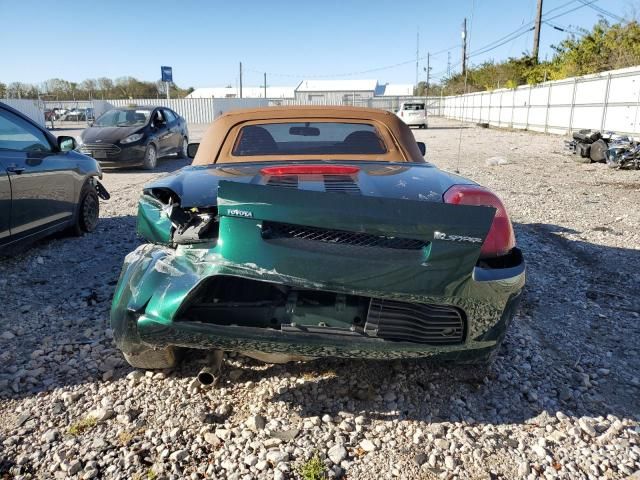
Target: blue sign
{"points": [[167, 74]]}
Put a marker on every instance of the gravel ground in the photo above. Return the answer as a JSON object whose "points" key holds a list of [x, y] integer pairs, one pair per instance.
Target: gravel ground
{"points": [[562, 401]]}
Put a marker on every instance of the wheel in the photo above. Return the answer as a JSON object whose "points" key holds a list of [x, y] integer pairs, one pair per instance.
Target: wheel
{"points": [[88, 210], [183, 148], [152, 359], [150, 157], [425, 126]]}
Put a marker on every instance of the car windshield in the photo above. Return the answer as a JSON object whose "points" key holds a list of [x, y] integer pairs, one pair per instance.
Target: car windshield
{"points": [[123, 118], [413, 106], [309, 138]]}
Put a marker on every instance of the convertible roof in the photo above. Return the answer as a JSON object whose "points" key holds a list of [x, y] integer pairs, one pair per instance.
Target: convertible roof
{"points": [[217, 132]]}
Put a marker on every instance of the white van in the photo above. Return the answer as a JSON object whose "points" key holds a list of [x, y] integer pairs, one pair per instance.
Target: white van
{"points": [[414, 113]]}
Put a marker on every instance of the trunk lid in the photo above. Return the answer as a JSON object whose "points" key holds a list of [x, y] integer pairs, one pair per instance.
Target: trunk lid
{"points": [[383, 247]]}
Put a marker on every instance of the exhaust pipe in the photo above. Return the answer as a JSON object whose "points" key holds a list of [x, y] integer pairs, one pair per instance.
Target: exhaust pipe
{"points": [[210, 374]]}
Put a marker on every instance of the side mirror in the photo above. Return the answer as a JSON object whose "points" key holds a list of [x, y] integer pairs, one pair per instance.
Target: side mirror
{"points": [[422, 147], [66, 144], [192, 149]]}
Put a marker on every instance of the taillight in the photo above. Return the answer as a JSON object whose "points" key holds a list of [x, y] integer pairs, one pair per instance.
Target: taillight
{"points": [[310, 170], [500, 239]]}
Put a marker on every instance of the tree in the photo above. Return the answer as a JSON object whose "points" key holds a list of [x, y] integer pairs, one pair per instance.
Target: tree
{"points": [[3, 90]]}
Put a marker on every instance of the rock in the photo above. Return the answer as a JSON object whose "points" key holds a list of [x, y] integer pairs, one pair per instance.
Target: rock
{"points": [[441, 443], [256, 423], [179, 455], [337, 454], [523, 469], [51, 435], [421, 459], [587, 427], [212, 439], [251, 460], [74, 467], [367, 445], [101, 414], [539, 451], [449, 462], [277, 456]]}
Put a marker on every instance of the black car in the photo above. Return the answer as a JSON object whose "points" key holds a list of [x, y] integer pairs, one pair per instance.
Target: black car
{"points": [[45, 186], [136, 135]]}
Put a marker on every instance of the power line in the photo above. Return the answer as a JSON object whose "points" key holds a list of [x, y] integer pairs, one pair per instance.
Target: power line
{"points": [[517, 33], [602, 11]]}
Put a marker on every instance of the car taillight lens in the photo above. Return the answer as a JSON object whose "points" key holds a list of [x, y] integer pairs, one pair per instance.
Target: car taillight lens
{"points": [[500, 239], [310, 170]]}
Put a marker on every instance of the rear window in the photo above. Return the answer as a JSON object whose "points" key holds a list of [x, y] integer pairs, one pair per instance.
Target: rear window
{"points": [[413, 106], [309, 138]]}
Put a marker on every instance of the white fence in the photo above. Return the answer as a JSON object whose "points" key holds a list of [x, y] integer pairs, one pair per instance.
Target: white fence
{"points": [[194, 110], [31, 108], [604, 101], [392, 104]]}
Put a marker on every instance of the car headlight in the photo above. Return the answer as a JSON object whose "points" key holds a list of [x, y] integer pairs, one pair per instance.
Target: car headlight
{"points": [[132, 138]]}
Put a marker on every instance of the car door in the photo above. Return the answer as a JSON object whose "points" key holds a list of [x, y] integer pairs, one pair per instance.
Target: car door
{"points": [[162, 133], [41, 178], [174, 129], [5, 204]]}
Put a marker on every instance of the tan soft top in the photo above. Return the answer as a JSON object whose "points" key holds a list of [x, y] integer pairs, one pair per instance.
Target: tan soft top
{"points": [[217, 142]]}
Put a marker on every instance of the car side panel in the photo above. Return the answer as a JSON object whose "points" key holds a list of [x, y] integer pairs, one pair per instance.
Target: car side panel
{"points": [[44, 194], [5, 204]]}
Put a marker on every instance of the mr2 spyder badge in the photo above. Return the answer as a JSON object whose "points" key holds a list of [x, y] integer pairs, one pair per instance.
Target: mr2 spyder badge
{"points": [[455, 238]]}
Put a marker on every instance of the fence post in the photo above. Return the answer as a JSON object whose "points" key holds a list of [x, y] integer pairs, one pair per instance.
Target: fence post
{"points": [[526, 123], [513, 106], [606, 102], [573, 104], [500, 109], [546, 118]]}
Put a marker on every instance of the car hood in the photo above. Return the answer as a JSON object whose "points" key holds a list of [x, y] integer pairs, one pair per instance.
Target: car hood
{"points": [[197, 186], [107, 134]]}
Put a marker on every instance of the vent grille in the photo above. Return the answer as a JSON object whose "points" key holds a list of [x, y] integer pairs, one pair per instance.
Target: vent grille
{"points": [[341, 184], [285, 181], [415, 322], [108, 149], [276, 230]]}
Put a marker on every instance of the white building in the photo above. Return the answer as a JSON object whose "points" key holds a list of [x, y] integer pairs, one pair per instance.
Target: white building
{"points": [[335, 92], [247, 92], [395, 90]]}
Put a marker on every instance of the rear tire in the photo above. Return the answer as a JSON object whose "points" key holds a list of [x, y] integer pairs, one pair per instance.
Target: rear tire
{"points": [[183, 148], [88, 211], [152, 359], [150, 161]]}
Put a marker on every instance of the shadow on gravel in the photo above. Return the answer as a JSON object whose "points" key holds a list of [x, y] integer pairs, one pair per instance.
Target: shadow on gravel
{"points": [[570, 349]]}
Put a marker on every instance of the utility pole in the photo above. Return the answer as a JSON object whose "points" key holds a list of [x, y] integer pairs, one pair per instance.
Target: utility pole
{"points": [[448, 64], [417, 53], [464, 46], [240, 79], [536, 33], [426, 94], [265, 85]]}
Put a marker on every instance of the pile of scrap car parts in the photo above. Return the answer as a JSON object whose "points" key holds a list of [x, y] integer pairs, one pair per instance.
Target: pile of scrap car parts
{"points": [[617, 151]]}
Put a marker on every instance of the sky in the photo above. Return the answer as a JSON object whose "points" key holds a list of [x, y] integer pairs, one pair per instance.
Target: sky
{"points": [[204, 41]]}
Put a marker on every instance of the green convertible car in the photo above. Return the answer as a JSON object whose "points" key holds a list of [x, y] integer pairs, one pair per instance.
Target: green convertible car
{"points": [[308, 232]]}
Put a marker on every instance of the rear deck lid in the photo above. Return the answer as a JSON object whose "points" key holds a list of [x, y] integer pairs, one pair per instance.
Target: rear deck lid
{"points": [[351, 242]]}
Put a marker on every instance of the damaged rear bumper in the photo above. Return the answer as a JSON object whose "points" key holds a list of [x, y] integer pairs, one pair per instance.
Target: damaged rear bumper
{"points": [[159, 302]]}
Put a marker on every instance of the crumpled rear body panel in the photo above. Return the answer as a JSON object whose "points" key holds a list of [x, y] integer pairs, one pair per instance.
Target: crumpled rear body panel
{"points": [[158, 282]]}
